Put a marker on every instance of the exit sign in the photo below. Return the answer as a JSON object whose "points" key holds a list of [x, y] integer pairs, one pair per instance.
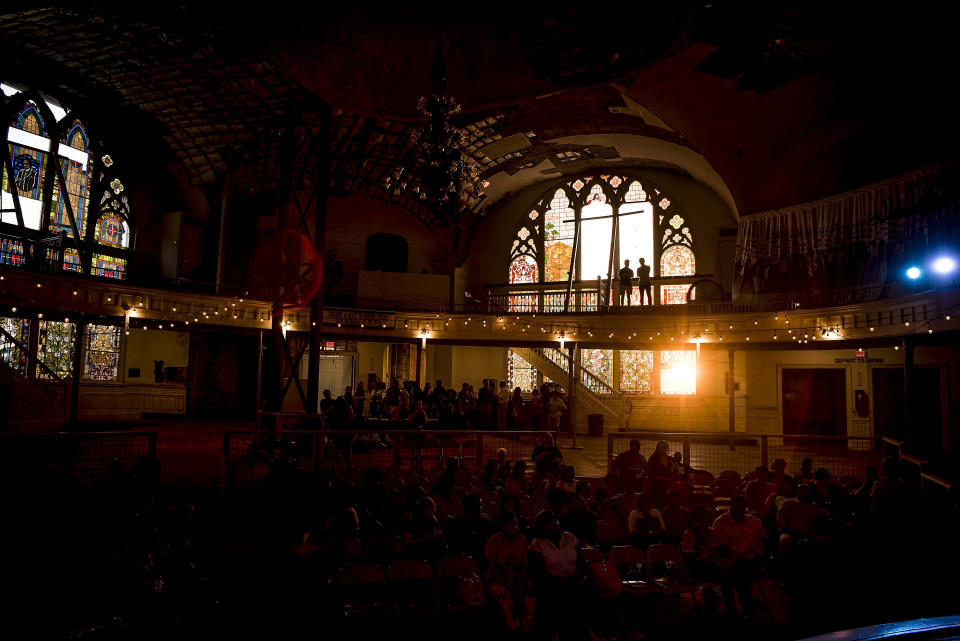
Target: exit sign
{"points": [[861, 353]]}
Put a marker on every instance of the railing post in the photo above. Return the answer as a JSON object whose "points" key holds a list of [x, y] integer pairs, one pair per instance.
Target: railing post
{"points": [[686, 450], [764, 451], [609, 452]]}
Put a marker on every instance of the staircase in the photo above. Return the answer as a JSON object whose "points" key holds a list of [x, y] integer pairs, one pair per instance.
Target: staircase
{"points": [[28, 405], [593, 396]]}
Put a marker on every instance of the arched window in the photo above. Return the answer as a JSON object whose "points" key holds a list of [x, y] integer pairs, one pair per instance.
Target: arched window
{"points": [[589, 225], [58, 179], [386, 253]]}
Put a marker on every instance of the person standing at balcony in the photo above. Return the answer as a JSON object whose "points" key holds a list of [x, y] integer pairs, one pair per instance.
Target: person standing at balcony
{"points": [[626, 281], [643, 281]]}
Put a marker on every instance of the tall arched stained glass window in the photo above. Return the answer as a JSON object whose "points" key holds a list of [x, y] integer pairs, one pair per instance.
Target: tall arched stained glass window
{"points": [[60, 179], [593, 223], [558, 237], [28, 146]]}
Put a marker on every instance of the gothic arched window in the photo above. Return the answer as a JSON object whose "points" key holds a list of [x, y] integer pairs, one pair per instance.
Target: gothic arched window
{"points": [[589, 225], [59, 178]]}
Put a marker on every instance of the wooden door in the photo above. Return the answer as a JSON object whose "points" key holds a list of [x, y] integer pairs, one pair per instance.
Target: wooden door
{"points": [[814, 401]]}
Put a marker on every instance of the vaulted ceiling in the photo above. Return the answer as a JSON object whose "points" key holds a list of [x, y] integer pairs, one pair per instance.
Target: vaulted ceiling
{"points": [[774, 103]]}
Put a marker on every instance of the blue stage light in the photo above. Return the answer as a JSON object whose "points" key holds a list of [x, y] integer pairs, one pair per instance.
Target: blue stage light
{"points": [[914, 273], [944, 265]]}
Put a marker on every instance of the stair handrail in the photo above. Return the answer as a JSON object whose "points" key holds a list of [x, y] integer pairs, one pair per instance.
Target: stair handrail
{"points": [[26, 350], [578, 369]]}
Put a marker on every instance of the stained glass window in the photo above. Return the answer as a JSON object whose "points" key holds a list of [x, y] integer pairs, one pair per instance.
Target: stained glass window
{"points": [[636, 371], [108, 266], [558, 240], [78, 180], [596, 207], [523, 269], [598, 362], [677, 261], [678, 372], [11, 251], [55, 348], [102, 353], [11, 351], [520, 373], [28, 146], [675, 294], [75, 176]]}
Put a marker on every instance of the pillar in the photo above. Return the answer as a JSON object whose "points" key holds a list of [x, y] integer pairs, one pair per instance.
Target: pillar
{"points": [[732, 418], [909, 411]]}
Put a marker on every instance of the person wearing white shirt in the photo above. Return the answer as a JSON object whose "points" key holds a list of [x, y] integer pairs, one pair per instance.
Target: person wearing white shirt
{"points": [[556, 567]]}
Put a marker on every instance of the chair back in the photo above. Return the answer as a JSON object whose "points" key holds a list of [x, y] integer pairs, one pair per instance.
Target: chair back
{"points": [[631, 562], [592, 555]]}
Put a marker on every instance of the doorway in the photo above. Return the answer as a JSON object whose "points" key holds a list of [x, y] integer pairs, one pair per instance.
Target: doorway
{"points": [[814, 401], [888, 406]]}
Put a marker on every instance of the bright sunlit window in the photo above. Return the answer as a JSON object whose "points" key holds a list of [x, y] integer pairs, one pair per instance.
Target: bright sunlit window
{"points": [[678, 372]]}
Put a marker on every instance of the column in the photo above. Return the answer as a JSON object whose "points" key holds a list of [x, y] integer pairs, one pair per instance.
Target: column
{"points": [[910, 427], [732, 418]]}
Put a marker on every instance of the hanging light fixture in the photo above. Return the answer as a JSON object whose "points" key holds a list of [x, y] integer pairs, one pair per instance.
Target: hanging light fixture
{"points": [[439, 171]]}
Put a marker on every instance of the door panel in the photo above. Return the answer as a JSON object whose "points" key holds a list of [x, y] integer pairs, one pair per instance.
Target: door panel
{"points": [[814, 401]]}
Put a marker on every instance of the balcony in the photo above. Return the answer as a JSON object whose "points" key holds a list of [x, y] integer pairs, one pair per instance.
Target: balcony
{"points": [[589, 296]]}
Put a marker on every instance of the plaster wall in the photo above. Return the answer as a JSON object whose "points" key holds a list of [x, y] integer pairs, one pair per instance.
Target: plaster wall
{"points": [[143, 347]]}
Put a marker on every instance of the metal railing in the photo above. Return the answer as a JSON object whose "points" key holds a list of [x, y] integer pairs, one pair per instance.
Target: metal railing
{"points": [[82, 457], [588, 296], [742, 452], [249, 456]]}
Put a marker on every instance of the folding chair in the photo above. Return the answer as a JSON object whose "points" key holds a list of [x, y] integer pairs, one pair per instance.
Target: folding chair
{"points": [[666, 566], [592, 555]]}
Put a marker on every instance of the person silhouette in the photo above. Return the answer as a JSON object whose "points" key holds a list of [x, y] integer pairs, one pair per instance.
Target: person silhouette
{"points": [[643, 281]]}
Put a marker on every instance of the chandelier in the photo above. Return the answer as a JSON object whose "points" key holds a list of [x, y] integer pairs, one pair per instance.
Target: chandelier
{"points": [[439, 171]]}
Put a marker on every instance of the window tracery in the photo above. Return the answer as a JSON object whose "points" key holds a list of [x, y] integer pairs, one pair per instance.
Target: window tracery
{"points": [[59, 178], [622, 212]]}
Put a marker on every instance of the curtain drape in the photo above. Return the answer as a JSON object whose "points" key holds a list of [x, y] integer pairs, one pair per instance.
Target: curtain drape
{"points": [[849, 247]]}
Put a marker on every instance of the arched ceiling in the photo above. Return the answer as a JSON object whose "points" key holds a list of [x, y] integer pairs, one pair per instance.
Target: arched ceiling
{"points": [[769, 103]]}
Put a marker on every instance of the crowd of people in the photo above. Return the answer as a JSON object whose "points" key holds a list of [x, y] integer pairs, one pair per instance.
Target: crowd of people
{"points": [[491, 407], [532, 532], [545, 544]]}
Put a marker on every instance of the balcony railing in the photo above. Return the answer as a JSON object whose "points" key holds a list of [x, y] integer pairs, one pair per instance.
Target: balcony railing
{"points": [[588, 296]]}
